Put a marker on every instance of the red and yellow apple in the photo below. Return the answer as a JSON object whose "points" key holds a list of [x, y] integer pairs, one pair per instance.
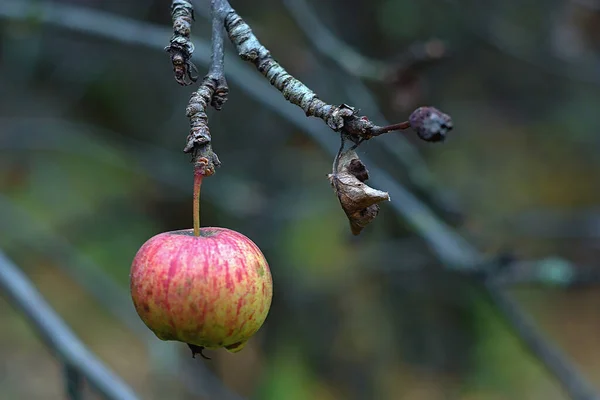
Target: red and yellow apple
{"points": [[210, 291]]}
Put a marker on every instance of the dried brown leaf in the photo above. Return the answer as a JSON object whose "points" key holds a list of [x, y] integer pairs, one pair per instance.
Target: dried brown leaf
{"points": [[358, 200]]}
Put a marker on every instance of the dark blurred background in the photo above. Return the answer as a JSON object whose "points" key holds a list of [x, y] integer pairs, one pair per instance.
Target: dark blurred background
{"points": [[92, 127]]}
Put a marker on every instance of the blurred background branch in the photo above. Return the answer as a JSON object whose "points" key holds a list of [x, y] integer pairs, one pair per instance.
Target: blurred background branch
{"points": [[567, 57], [417, 56], [552, 358], [78, 360], [331, 46]]}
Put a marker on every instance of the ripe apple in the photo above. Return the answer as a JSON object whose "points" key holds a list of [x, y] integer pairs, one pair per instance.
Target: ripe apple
{"points": [[210, 291]]}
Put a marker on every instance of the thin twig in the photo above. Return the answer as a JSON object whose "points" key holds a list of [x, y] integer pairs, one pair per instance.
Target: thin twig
{"points": [[57, 335], [213, 90], [405, 153], [216, 71], [199, 138], [181, 47], [338, 118]]}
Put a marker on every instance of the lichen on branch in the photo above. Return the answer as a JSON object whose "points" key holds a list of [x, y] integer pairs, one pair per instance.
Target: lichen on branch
{"points": [[342, 118], [250, 49]]}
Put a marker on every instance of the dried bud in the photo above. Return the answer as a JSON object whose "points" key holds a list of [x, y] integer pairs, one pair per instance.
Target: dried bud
{"points": [[431, 124]]}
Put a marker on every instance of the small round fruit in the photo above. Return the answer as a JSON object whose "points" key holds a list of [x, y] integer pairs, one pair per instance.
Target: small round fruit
{"points": [[210, 291]]}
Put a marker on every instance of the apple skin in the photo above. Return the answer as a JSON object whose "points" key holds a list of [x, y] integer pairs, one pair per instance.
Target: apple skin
{"points": [[211, 291]]}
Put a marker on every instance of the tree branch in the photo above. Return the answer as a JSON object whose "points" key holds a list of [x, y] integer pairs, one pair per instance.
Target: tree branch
{"points": [[339, 118], [213, 90], [199, 139], [180, 47], [399, 146], [216, 71], [430, 124]]}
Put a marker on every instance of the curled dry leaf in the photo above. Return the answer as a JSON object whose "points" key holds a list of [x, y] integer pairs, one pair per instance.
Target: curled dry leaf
{"points": [[358, 200]]}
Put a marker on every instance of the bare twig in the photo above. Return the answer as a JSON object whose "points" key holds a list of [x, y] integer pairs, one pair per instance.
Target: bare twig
{"points": [[199, 139], [181, 47], [216, 71], [339, 118], [213, 90], [57, 335]]}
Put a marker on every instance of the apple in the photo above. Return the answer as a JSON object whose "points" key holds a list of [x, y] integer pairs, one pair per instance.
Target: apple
{"points": [[210, 288]]}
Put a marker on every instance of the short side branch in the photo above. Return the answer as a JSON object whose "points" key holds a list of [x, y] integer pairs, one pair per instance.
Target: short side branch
{"points": [[216, 72], [199, 140], [181, 47], [214, 91], [339, 118], [250, 49]]}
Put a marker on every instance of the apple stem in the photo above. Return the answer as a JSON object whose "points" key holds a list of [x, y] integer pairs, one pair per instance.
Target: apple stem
{"points": [[197, 183]]}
